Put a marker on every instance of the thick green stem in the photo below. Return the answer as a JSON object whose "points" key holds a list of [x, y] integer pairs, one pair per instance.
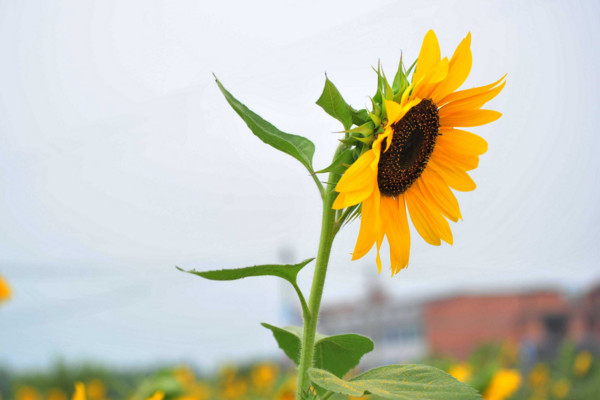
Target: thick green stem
{"points": [[314, 302]]}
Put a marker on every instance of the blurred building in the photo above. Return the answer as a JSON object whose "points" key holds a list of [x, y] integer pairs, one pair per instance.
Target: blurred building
{"points": [[453, 325], [396, 327]]}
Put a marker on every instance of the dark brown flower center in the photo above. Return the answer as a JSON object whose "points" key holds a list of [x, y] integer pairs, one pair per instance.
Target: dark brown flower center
{"points": [[412, 144]]}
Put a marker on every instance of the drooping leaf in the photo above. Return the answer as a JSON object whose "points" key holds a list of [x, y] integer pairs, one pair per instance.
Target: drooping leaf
{"points": [[337, 354], [296, 146], [398, 382], [288, 339], [285, 271], [333, 103], [340, 163]]}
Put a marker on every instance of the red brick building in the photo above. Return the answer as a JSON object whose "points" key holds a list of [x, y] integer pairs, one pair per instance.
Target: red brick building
{"points": [[456, 325]]}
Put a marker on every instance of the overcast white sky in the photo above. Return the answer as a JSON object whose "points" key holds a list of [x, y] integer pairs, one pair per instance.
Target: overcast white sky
{"points": [[119, 158]]}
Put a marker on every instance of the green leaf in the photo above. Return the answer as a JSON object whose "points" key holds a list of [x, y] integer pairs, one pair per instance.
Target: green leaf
{"points": [[289, 272], [340, 353], [285, 271], [333, 103], [340, 163], [398, 382], [296, 146], [337, 354], [288, 339]]}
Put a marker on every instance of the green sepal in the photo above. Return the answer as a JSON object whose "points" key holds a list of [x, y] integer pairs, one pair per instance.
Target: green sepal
{"points": [[378, 98], [340, 163], [400, 81], [333, 103], [337, 354], [296, 146], [414, 64], [399, 77], [350, 141], [387, 89], [376, 119], [398, 382], [289, 272], [365, 129], [359, 117]]}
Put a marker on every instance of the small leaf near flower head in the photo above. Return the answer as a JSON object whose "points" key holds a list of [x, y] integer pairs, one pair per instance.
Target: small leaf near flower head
{"points": [[333, 103], [296, 146]]}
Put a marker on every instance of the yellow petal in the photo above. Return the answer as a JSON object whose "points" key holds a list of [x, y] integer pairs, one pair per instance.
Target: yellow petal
{"points": [[471, 103], [359, 175], [429, 56], [460, 66], [394, 111], [433, 183], [462, 141], [465, 162], [348, 199], [469, 118], [395, 225], [433, 214], [370, 225], [418, 216], [454, 177], [463, 94]]}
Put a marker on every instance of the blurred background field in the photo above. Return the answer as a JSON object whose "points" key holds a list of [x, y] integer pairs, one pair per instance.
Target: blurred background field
{"points": [[493, 369], [522, 345]]}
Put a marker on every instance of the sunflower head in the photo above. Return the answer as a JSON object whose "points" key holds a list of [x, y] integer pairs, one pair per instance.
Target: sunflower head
{"points": [[407, 153]]}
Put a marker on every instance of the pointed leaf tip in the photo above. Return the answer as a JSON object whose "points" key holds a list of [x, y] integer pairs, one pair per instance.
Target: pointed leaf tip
{"points": [[296, 146], [332, 102]]}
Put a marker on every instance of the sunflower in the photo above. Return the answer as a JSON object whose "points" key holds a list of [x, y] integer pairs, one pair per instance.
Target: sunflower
{"points": [[419, 155]]}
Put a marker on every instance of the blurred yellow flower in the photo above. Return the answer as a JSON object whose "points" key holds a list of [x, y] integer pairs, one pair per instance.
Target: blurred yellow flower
{"points": [[234, 388], [4, 289], [462, 371], [79, 391], [287, 391], [28, 393], [583, 361], [56, 394], [561, 388], [538, 375], [504, 383], [200, 391], [264, 376], [96, 390], [185, 376], [158, 395]]}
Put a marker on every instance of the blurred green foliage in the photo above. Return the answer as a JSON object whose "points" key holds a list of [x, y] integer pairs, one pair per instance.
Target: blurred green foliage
{"points": [[495, 370]]}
